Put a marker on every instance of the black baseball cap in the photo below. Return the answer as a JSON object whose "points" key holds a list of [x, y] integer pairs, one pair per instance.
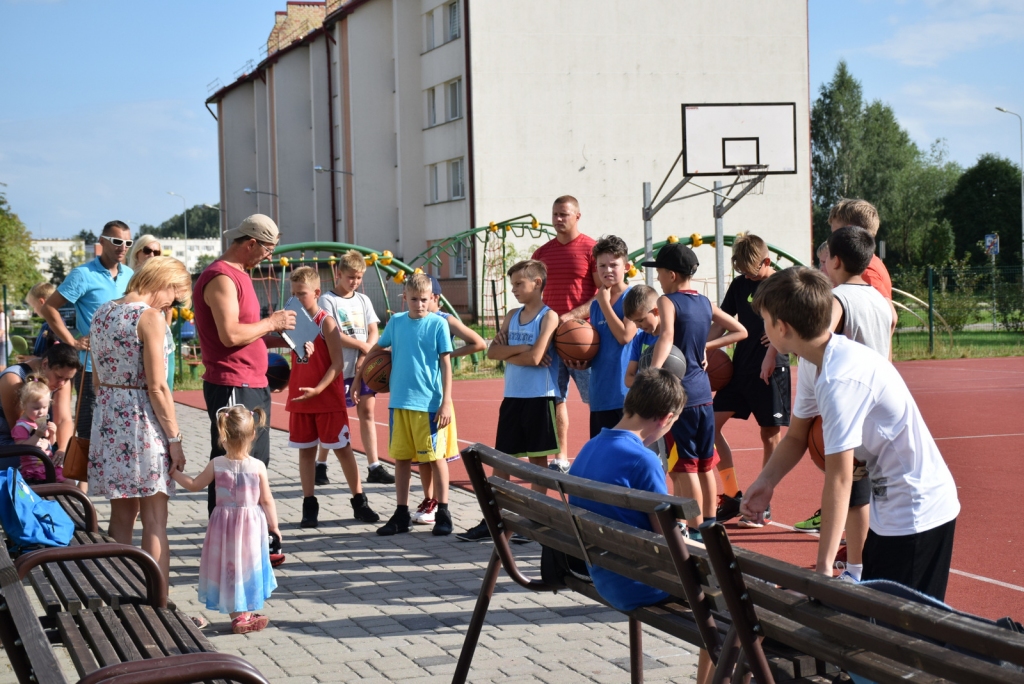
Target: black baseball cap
{"points": [[675, 257]]}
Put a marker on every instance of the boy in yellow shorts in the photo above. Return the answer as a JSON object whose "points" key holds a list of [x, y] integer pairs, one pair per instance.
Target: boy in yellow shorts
{"points": [[420, 402]]}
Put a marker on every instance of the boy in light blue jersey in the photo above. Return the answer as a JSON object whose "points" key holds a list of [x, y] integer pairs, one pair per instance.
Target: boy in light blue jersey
{"points": [[526, 419], [420, 402], [641, 308], [608, 369]]}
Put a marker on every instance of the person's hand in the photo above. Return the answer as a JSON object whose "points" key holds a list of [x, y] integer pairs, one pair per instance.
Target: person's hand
{"points": [[767, 368], [444, 416], [364, 347], [576, 365], [51, 431], [58, 458], [283, 319], [568, 317], [764, 340], [501, 338], [277, 531], [82, 343], [546, 360], [704, 361], [756, 499], [603, 295], [354, 392], [308, 348], [177, 455], [307, 393]]}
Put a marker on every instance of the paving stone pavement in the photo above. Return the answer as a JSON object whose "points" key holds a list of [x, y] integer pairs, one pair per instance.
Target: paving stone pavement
{"points": [[351, 605]]}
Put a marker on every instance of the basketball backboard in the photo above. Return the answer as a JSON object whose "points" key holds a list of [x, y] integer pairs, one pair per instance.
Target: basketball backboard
{"points": [[722, 139]]}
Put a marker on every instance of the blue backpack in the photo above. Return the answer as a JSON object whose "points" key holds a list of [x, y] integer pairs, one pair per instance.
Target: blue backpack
{"points": [[28, 520]]}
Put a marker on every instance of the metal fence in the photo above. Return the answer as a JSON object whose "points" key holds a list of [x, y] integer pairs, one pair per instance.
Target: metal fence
{"points": [[958, 306]]}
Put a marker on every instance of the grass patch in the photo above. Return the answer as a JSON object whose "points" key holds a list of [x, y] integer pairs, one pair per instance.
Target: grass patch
{"points": [[908, 346]]}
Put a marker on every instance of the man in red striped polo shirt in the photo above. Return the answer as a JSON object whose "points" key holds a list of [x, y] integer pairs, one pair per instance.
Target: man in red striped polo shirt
{"points": [[571, 284]]}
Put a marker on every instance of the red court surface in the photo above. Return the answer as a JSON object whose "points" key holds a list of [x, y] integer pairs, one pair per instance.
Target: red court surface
{"points": [[972, 407]]}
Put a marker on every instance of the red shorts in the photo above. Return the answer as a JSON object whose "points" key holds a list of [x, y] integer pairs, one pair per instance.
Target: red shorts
{"points": [[329, 430]]}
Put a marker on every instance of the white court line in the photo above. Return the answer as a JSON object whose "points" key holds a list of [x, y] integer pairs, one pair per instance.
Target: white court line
{"points": [[1009, 434], [980, 578]]}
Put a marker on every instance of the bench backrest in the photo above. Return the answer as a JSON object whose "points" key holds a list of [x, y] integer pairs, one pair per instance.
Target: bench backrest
{"points": [[868, 632], [659, 559]]}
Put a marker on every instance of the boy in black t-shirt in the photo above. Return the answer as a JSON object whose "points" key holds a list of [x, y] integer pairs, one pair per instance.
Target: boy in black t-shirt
{"points": [[760, 379]]}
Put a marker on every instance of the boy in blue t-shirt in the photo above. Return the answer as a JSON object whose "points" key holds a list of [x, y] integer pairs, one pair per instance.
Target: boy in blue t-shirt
{"points": [[420, 402], [608, 369], [619, 456], [526, 419], [686, 318], [641, 309]]}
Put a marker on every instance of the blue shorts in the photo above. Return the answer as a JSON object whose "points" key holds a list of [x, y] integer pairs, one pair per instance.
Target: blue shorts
{"points": [[364, 391], [582, 378], [694, 436]]}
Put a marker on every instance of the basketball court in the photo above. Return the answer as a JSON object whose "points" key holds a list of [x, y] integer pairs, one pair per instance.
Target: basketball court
{"points": [[972, 407]]}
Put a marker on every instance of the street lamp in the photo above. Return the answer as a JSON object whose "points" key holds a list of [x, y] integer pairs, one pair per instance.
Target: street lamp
{"points": [[184, 216], [250, 191], [1020, 122], [320, 169]]}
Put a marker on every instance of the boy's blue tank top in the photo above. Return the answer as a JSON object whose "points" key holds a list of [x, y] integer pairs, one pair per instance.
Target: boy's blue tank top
{"points": [[608, 369], [525, 382], [693, 323]]}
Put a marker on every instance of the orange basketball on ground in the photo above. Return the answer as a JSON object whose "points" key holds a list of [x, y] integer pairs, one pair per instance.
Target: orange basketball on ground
{"points": [[377, 370], [719, 369], [576, 341], [816, 443]]}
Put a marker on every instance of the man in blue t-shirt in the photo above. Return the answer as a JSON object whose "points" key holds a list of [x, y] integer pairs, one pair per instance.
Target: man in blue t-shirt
{"points": [[88, 286], [420, 402], [619, 456]]}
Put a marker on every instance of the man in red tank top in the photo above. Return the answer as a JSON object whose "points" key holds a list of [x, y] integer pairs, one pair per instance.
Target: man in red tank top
{"points": [[231, 331], [572, 282]]}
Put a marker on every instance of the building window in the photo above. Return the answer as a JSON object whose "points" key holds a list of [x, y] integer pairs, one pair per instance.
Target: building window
{"points": [[453, 22], [458, 186], [460, 260], [432, 107], [429, 28], [433, 191], [454, 98]]}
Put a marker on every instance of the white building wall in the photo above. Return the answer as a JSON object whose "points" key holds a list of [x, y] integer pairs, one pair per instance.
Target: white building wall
{"points": [[238, 160], [294, 165], [66, 249], [583, 97]]}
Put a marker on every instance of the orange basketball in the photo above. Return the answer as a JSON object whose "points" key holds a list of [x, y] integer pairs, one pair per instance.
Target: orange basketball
{"points": [[576, 341], [719, 369], [816, 443], [377, 370]]}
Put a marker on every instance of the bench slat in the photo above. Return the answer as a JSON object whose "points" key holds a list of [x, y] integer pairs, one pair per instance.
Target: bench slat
{"points": [[21, 615], [156, 628], [97, 638], [136, 628], [119, 638], [65, 592], [181, 636], [74, 642], [44, 592], [90, 599], [107, 592]]}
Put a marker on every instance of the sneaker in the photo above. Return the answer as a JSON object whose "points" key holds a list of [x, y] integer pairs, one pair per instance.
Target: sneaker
{"points": [[559, 466], [847, 576], [517, 538], [840, 562], [361, 509], [321, 474], [690, 533], [310, 512], [380, 475], [812, 523], [253, 622], [728, 507], [753, 524], [425, 514], [478, 533], [397, 524], [443, 524]]}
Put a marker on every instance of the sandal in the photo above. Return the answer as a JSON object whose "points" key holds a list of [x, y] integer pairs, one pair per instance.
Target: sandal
{"points": [[254, 622], [199, 621]]}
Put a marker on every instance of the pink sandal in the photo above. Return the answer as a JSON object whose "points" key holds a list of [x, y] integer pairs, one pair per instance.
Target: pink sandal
{"points": [[254, 622]]}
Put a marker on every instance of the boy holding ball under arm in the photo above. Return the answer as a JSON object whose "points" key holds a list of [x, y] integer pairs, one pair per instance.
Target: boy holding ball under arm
{"points": [[865, 406], [420, 403]]}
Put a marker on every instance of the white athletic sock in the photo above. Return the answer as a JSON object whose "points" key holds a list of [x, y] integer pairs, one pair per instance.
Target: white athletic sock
{"points": [[855, 569], [375, 465]]}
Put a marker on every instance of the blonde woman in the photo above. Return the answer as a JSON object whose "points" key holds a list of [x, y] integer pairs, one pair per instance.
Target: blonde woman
{"points": [[135, 437], [145, 248]]}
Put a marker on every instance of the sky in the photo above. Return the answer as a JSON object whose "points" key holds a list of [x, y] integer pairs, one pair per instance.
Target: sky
{"points": [[101, 101]]}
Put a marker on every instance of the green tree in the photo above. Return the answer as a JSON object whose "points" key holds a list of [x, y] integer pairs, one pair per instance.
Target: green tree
{"points": [[986, 199], [203, 222], [17, 259], [58, 272], [202, 262], [87, 236]]}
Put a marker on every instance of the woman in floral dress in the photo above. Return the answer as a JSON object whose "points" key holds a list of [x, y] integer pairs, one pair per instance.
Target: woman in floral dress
{"points": [[135, 439]]}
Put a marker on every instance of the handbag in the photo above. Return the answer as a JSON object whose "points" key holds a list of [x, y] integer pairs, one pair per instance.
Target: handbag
{"points": [[76, 456], [28, 520]]}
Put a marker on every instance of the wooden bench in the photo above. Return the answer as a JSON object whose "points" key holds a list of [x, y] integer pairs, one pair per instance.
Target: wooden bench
{"points": [[74, 501], [866, 631], [131, 643], [696, 611]]}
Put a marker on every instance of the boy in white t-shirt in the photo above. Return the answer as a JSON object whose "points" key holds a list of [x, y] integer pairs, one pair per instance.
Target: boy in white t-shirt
{"points": [[864, 405], [358, 322]]}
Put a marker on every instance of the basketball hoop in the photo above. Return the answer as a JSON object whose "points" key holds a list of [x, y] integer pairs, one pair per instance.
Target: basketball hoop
{"points": [[750, 174]]}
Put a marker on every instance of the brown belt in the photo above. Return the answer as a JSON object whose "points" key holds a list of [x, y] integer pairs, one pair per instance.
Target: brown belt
{"points": [[127, 387]]}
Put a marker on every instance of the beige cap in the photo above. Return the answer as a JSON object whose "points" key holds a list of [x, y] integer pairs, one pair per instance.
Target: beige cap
{"points": [[258, 226]]}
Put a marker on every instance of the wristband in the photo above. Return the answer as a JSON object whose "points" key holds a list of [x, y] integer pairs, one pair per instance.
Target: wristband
{"points": [[174, 440]]}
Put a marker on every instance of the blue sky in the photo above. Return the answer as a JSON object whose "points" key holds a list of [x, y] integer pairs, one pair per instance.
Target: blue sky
{"points": [[101, 102]]}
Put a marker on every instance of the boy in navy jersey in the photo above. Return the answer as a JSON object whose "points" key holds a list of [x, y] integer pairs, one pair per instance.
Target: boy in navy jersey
{"points": [[686, 317]]}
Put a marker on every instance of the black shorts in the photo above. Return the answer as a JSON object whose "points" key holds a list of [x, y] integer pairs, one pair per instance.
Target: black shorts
{"points": [[526, 427], [746, 394], [603, 419], [919, 561]]}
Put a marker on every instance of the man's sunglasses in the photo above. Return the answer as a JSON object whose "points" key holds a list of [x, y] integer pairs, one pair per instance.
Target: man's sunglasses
{"points": [[117, 242], [150, 252]]}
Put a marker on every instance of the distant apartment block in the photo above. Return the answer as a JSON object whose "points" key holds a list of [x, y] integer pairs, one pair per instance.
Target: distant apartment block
{"points": [[74, 252]]}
